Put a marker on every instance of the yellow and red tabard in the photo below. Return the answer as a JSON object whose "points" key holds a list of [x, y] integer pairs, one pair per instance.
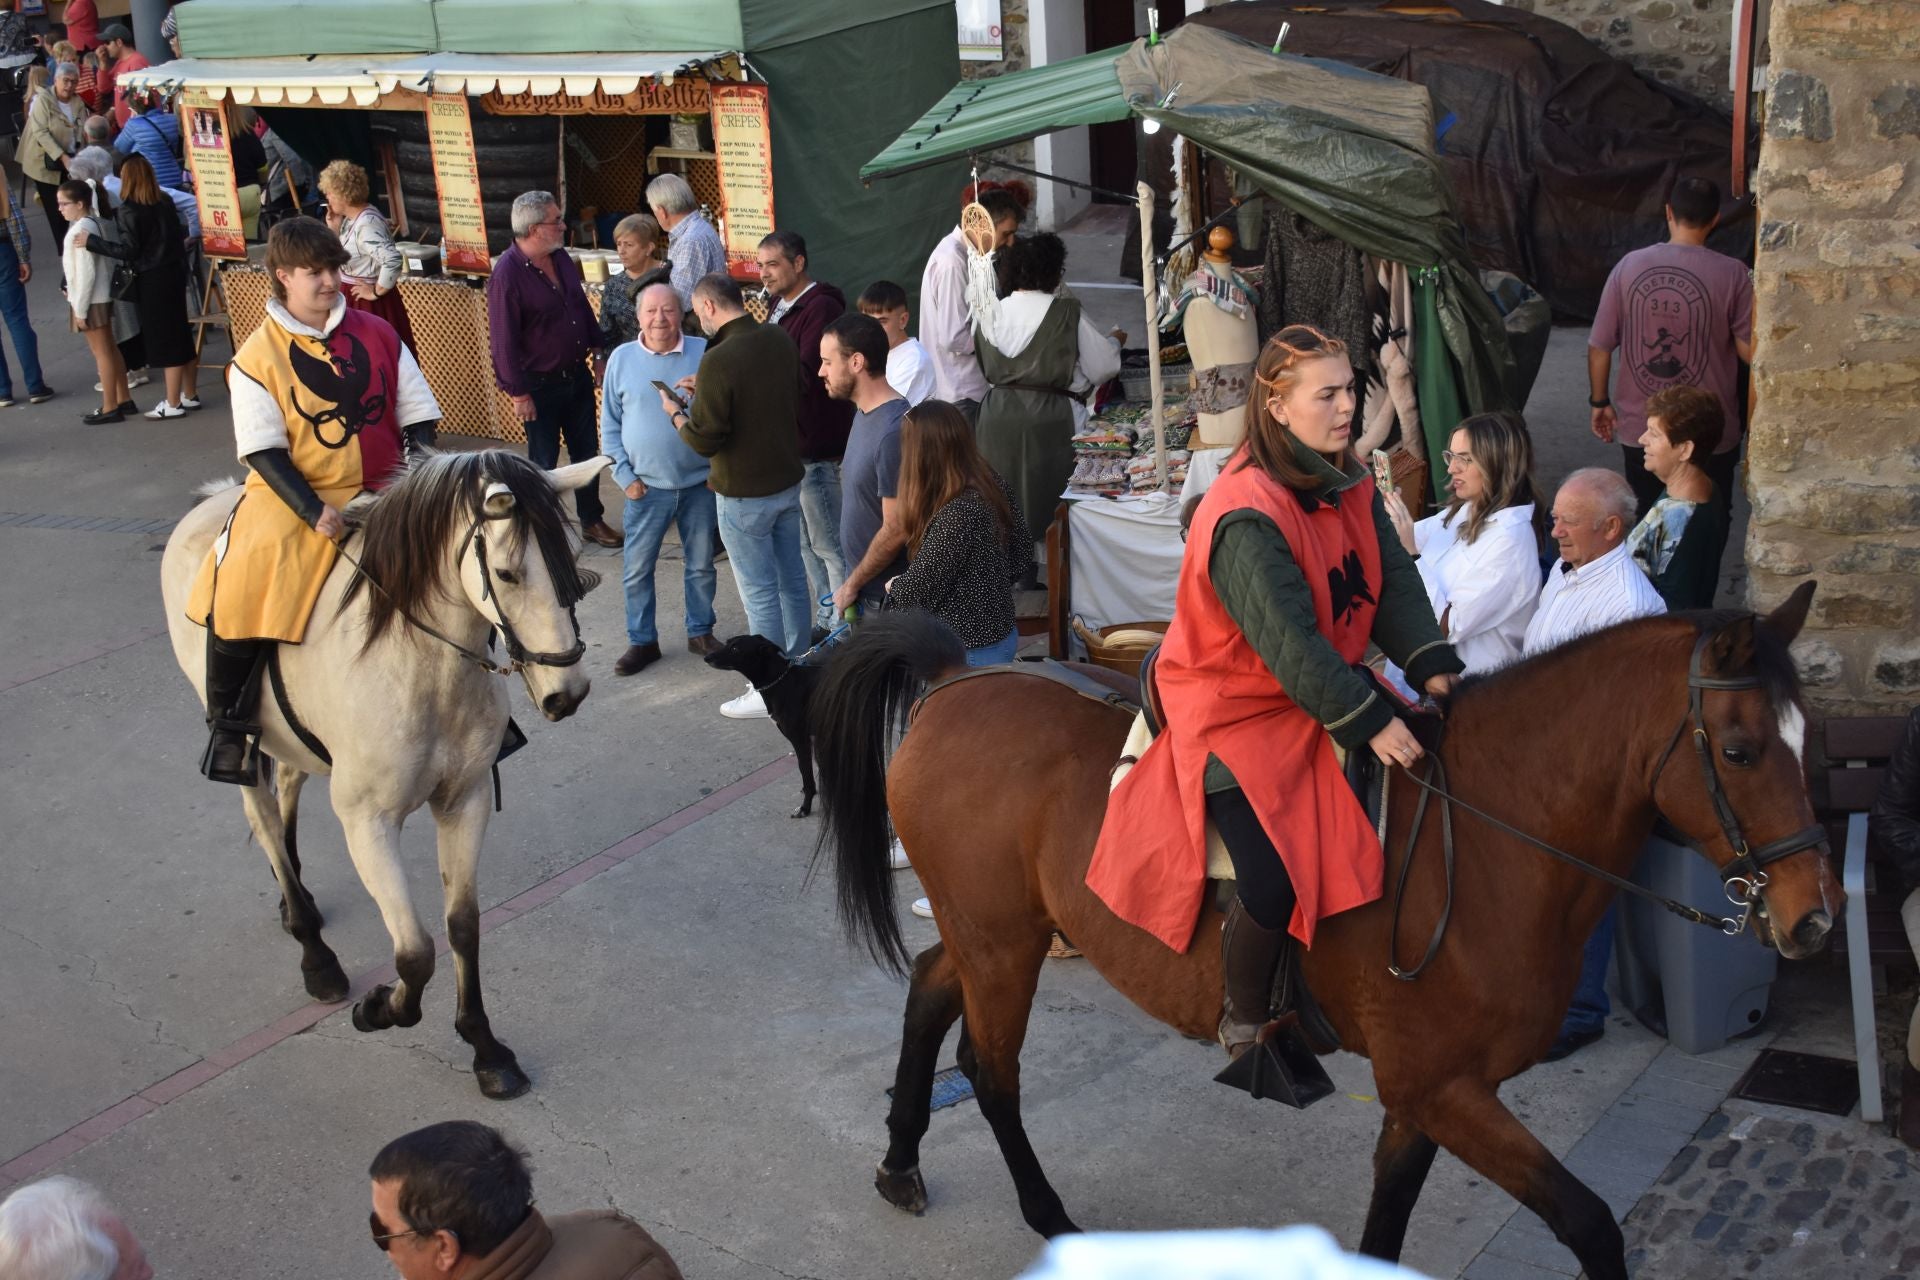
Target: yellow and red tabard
{"points": [[335, 399]]}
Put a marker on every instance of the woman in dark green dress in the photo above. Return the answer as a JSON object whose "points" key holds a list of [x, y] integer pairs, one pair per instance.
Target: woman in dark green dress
{"points": [[1042, 360]]}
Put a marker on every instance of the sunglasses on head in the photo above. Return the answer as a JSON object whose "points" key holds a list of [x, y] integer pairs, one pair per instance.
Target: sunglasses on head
{"points": [[382, 1238]]}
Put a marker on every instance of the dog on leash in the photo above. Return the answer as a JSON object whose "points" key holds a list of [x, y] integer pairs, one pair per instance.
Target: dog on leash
{"points": [[787, 689]]}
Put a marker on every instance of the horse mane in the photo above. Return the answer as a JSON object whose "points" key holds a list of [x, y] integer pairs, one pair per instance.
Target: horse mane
{"points": [[1772, 661], [406, 529]]}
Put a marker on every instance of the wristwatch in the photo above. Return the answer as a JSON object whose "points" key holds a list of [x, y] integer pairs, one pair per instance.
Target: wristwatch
{"points": [[1602, 403]]}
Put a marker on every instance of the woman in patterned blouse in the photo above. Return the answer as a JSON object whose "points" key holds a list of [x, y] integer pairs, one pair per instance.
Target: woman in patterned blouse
{"points": [[1680, 540], [637, 239], [967, 540]]}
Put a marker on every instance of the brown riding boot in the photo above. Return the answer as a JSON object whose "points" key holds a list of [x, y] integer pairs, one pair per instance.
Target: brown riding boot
{"points": [[1270, 1059]]}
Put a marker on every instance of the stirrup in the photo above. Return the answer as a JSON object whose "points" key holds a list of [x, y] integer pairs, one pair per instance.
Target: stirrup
{"points": [[1279, 1065], [226, 735]]}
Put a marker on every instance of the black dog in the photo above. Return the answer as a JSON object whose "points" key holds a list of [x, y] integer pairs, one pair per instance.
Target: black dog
{"points": [[787, 689]]}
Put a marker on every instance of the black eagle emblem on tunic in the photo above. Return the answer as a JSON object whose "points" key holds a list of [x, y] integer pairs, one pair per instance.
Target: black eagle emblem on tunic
{"points": [[342, 383], [1347, 582]]}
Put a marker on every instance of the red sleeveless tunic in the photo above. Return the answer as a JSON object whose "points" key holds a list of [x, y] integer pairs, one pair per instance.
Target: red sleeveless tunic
{"points": [[1220, 698]]}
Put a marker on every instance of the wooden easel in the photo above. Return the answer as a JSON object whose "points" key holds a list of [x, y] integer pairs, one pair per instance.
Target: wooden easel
{"points": [[209, 315]]}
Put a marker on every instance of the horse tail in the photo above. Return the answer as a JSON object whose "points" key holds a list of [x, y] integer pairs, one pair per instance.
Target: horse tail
{"points": [[869, 685]]}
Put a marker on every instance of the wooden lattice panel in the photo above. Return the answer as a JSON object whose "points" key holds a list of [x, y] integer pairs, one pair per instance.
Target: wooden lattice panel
{"points": [[704, 177], [247, 292], [619, 184], [450, 334]]}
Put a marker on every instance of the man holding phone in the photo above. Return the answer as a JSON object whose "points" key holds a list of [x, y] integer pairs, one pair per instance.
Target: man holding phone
{"points": [[665, 482]]}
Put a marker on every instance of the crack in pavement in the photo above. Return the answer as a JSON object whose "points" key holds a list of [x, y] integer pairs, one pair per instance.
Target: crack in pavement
{"points": [[374, 1039], [715, 1245], [93, 977]]}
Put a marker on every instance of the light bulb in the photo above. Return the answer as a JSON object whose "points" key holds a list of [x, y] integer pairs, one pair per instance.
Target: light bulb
{"points": [[1151, 126]]}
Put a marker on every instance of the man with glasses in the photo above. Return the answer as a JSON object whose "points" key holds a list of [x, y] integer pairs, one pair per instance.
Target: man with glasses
{"points": [[541, 330], [456, 1200]]}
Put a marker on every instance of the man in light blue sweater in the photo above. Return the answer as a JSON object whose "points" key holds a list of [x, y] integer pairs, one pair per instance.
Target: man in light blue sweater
{"points": [[664, 480]]}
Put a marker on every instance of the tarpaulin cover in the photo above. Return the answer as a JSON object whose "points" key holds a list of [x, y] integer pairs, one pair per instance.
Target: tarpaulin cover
{"points": [[289, 28], [1559, 157]]}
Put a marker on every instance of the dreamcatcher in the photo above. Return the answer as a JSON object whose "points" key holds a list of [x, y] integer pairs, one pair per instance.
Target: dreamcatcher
{"points": [[976, 228]]}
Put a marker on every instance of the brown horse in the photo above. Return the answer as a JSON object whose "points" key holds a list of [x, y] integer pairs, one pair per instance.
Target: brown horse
{"points": [[997, 792]]}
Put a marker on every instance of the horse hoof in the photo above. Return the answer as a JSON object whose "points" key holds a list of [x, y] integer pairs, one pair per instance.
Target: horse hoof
{"points": [[502, 1083], [906, 1191], [805, 810], [371, 1013], [328, 985]]}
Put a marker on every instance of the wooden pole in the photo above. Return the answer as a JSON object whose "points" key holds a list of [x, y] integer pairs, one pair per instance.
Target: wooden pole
{"points": [[1150, 287]]}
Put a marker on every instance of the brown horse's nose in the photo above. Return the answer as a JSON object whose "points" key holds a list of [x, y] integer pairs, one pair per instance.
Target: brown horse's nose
{"points": [[1811, 933]]}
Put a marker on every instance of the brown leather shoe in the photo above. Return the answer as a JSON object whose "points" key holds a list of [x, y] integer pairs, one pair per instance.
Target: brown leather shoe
{"points": [[636, 659], [600, 533], [703, 645]]}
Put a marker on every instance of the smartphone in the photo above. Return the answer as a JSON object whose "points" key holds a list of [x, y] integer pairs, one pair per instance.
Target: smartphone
{"points": [[1382, 472], [671, 394]]}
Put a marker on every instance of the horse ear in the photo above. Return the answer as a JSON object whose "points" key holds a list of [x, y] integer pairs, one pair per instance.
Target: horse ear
{"points": [[1787, 620], [499, 500], [1732, 648], [579, 475]]}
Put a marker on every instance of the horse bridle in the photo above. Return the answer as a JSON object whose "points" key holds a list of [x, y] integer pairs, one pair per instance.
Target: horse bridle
{"points": [[1742, 878], [519, 656]]}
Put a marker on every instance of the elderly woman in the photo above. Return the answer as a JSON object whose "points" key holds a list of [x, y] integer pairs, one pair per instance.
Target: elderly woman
{"points": [[1679, 541], [50, 134], [371, 278], [1480, 556], [637, 240]]}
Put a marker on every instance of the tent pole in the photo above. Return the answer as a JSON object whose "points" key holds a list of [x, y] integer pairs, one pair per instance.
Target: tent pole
{"points": [[1150, 289]]}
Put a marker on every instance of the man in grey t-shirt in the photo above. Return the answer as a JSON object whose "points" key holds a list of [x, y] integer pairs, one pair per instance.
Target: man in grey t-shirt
{"points": [[853, 364]]}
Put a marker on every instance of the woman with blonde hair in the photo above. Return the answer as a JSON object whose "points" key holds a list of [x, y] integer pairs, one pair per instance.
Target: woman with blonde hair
{"points": [[1480, 555], [371, 278], [1291, 569], [90, 297], [967, 541], [637, 240]]}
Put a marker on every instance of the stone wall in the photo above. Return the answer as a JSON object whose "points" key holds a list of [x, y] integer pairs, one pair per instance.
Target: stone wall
{"points": [[1834, 455], [1014, 57], [1683, 43]]}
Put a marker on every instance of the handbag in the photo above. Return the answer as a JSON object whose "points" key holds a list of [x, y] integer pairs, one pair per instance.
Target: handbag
{"points": [[124, 283]]}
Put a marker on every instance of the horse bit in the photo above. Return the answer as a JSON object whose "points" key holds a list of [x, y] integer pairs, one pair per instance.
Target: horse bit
{"points": [[1742, 878]]}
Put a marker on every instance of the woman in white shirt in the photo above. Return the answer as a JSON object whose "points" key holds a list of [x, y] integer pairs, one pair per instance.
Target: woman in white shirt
{"points": [[1480, 557], [90, 297]]}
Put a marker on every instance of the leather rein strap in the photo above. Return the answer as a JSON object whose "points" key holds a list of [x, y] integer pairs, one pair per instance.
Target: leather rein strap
{"points": [[1743, 876]]}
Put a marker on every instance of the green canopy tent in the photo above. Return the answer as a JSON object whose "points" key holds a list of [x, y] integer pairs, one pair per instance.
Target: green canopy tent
{"points": [[824, 120], [1348, 150]]}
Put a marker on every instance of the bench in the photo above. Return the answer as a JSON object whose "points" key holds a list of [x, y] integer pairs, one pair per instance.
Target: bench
{"points": [[1853, 755]]}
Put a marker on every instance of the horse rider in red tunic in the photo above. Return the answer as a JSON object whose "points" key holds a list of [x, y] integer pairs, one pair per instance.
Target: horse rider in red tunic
{"points": [[327, 402], [1291, 568]]}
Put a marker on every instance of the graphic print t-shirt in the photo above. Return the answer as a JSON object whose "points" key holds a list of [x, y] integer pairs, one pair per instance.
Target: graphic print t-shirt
{"points": [[1671, 313]]}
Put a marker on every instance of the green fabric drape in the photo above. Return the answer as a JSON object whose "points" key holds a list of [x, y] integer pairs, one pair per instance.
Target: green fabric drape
{"points": [[1434, 379]]}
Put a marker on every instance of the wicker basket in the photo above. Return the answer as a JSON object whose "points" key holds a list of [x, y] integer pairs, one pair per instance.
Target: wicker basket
{"points": [[1124, 657]]}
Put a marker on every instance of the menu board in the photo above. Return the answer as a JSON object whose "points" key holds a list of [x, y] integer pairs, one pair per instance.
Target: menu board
{"points": [[743, 151], [204, 125], [463, 222]]}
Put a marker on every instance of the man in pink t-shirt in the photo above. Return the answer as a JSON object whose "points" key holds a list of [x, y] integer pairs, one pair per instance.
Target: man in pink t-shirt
{"points": [[1678, 313]]}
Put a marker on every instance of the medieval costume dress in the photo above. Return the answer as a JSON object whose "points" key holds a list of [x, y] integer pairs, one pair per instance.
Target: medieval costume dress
{"points": [[319, 415], [1280, 592]]}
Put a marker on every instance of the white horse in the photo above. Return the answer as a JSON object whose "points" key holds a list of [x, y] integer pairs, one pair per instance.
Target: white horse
{"points": [[398, 699]]}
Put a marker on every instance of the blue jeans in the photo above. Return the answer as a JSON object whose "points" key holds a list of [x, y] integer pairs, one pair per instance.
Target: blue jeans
{"points": [[820, 542], [763, 547], [692, 509], [992, 655], [13, 307], [1590, 1006]]}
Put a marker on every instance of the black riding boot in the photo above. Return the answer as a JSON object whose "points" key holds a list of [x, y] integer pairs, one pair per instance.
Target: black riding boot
{"points": [[233, 689], [1271, 1059]]}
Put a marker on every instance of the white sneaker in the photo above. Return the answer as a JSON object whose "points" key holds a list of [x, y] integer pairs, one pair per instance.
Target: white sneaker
{"points": [[923, 908], [748, 706], [188, 402], [900, 862], [165, 410], [139, 379]]}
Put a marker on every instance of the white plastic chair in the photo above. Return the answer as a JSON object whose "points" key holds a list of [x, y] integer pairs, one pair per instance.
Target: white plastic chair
{"points": [[1866, 1039]]}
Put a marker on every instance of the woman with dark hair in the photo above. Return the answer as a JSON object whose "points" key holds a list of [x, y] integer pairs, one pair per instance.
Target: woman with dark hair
{"points": [[1291, 570], [1678, 543], [1042, 360], [153, 244], [1480, 555], [966, 541], [90, 297]]}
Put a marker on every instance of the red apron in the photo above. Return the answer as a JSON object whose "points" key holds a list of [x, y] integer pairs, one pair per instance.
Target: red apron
{"points": [[1219, 698]]}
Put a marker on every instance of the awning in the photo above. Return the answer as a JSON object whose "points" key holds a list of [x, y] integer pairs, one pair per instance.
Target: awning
{"points": [[341, 79], [977, 115]]}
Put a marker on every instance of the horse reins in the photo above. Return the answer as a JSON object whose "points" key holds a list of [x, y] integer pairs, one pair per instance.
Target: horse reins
{"points": [[1743, 877]]}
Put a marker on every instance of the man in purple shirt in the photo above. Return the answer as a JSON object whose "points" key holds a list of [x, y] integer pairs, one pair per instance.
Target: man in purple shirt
{"points": [[1680, 314], [541, 330]]}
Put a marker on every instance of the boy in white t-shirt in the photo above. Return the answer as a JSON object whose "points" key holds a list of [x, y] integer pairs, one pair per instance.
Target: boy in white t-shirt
{"points": [[908, 370]]}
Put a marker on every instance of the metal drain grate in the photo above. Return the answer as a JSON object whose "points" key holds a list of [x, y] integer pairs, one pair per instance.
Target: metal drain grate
{"points": [[949, 1087], [1807, 1081]]}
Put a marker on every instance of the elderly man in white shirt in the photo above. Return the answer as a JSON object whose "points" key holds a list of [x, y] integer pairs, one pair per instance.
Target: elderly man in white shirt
{"points": [[1595, 585]]}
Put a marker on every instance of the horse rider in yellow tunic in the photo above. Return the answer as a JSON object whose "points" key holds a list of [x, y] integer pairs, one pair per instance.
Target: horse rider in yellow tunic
{"points": [[327, 403]]}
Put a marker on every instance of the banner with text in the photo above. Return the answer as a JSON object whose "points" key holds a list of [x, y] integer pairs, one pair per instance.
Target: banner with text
{"points": [[685, 96], [456, 173], [743, 151], [204, 122]]}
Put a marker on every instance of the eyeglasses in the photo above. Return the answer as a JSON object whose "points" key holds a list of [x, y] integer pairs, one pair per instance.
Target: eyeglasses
{"points": [[1448, 457], [382, 1238]]}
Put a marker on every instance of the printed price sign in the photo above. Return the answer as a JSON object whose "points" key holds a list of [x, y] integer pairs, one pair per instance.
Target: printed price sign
{"points": [[463, 222], [743, 148], [203, 122]]}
